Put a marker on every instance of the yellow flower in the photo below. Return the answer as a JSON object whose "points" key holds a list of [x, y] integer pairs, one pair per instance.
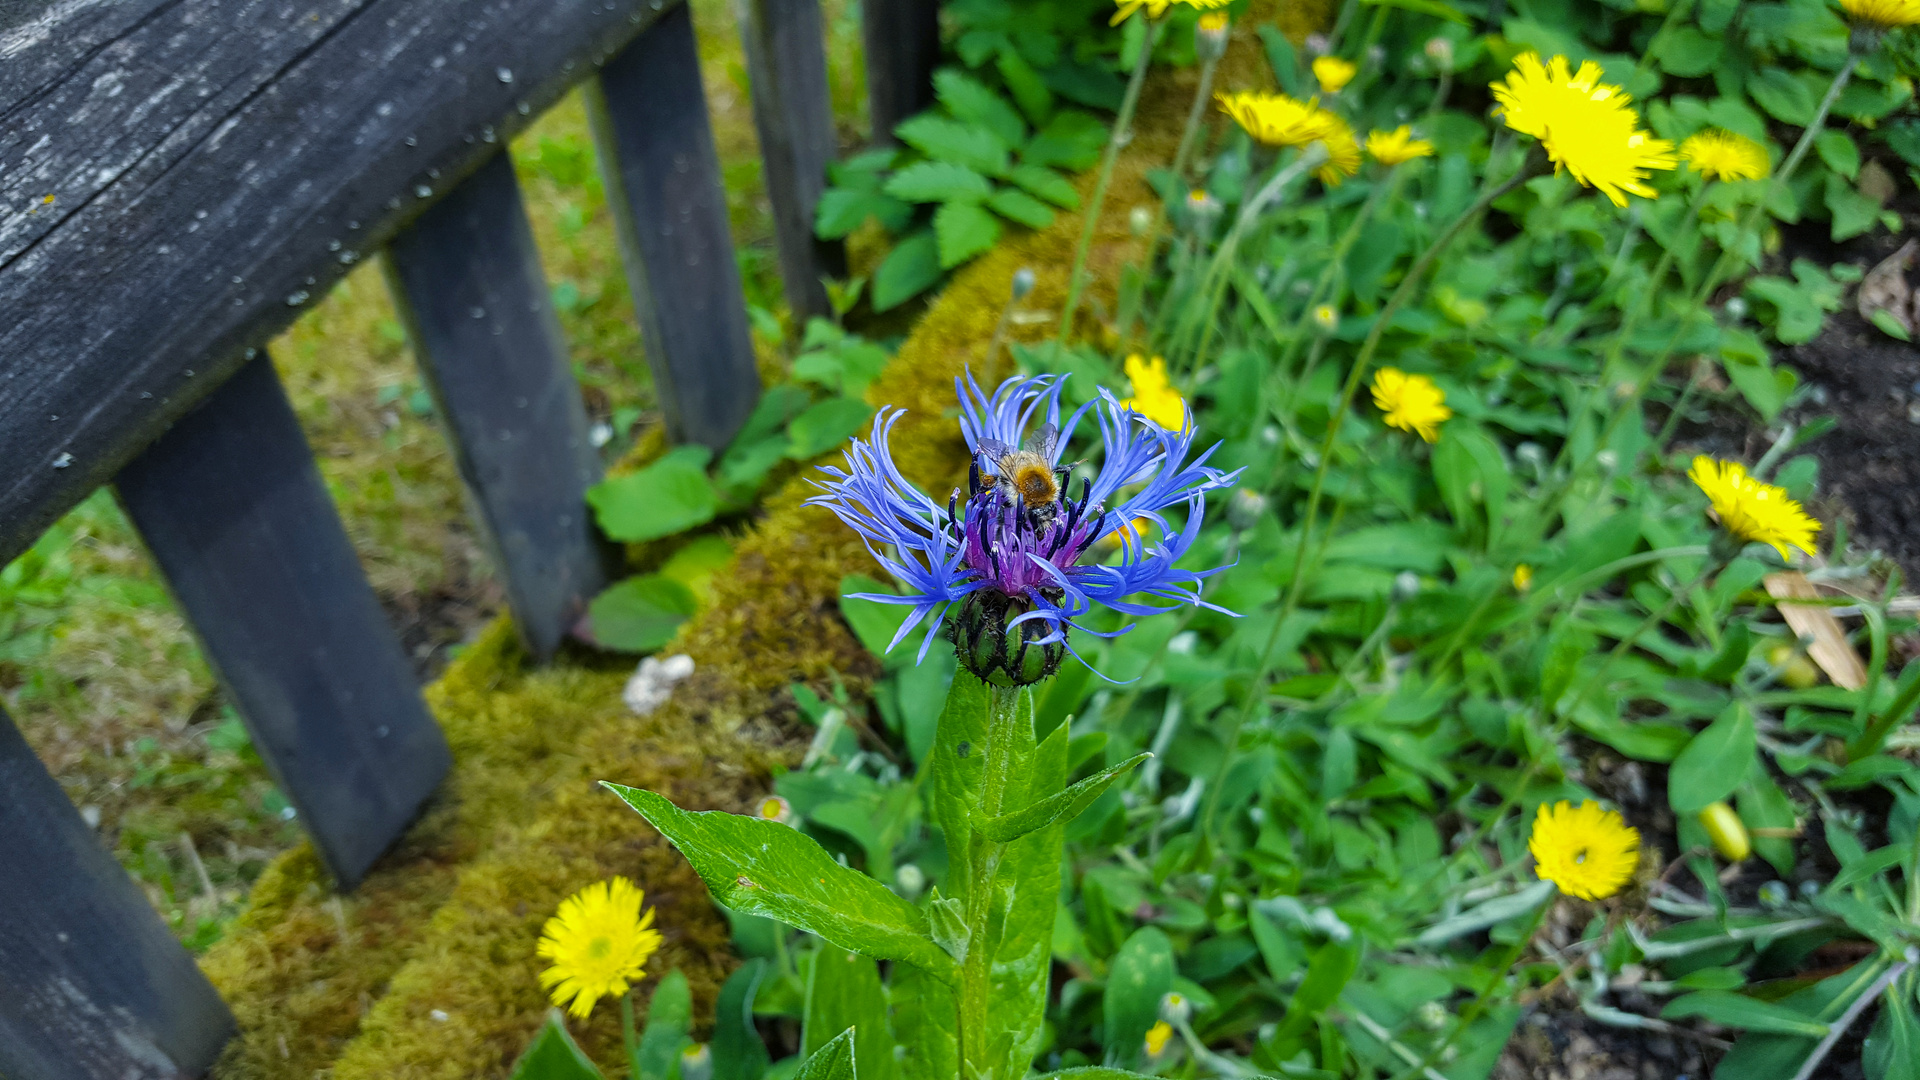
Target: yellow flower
{"points": [[1725, 156], [599, 942], [1883, 14], [1411, 402], [1157, 1037], [1279, 120], [1153, 396], [1397, 146], [1523, 577], [774, 808], [1587, 127], [1752, 510], [1157, 8], [1326, 318], [1588, 852], [1131, 532], [1333, 73]]}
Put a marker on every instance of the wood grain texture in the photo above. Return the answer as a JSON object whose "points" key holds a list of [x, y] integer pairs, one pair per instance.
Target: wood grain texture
{"points": [[92, 984], [237, 517], [793, 115], [468, 281], [215, 166], [649, 113], [903, 47]]}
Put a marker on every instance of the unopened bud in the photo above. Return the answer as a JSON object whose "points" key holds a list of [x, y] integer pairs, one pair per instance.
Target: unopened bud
{"points": [[1774, 894], [1022, 283], [1736, 308], [1244, 508], [1317, 44], [1139, 220], [1608, 459], [1431, 1015], [1727, 831], [1210, 36], [696, 1062], [997, 650], [1175, 1008], [1406, 586], [908, 880], [1440, 51], [1201, 204], [1327, 318]]}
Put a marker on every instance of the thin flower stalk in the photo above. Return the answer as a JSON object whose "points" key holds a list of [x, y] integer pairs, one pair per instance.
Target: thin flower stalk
{"points": [[1122, 135]]}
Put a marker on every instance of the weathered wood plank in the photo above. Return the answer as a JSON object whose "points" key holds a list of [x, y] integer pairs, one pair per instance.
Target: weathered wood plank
{"points": [[649, 115], [92, 985], [787, 62], [237, 517], [903, 47], [469, 284], [215, 165]]}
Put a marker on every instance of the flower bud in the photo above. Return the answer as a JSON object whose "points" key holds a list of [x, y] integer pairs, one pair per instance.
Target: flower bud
{"points": [[1796, 671], [1774, 895], [696, 1062], [1440, 51], [1431, 1015], [1326, 318], [1022, 283], [1317, 44], [1175, 1008], [1406, 586], [1727, 831], [908, 880], [774, 808], [1000, 653], [1210, 36], [1202, 205], [1522, 577], [1139, 220], [1244, 508]]}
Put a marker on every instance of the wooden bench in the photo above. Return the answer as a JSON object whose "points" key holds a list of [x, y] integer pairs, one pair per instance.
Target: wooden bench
{"points": [[179, 179]]}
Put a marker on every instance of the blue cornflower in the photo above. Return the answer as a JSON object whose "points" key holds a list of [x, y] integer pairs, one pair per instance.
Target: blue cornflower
{"points": [[1009, 550]]}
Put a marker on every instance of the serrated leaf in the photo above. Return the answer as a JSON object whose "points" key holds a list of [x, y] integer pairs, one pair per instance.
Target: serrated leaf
{"points": [[1028, 89], [1019, 206], [842, 210], [825, 426], [766, 868], [912, 267], [671, 495], [970, 100], [554, 1055], [1062, 806], [1072, 140], [641, 613], [939, 181], [1048, 184], [956, 142], [862, 172], [963, 231]]}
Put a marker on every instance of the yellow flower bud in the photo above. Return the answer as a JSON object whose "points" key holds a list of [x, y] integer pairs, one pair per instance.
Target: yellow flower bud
{"points": [[1523, 577], [1157, 1037], [1796, 671], [1728, 832]]}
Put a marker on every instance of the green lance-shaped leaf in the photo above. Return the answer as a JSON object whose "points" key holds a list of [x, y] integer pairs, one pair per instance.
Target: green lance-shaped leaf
{"points": [[1029, 879], [738, 1051], [1714, 762], [844, 995], [1094, 1072], [1141, 975], [1060, 806], [554, 1055], [834, 1061], [669, 1018], [765, 868], [924, 1026]]}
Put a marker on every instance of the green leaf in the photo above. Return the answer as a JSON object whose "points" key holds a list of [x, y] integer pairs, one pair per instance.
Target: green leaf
{"points": [[1028, 88], [909, 269], [970, 100], [669, 1018], [1853, 213], [738, 1051], [1740, 1011], [955, 141], [939, 181], [1029, 873], [924, 1026], [1327, 974], [955, 769], [1889, 325], [1017, 205], [641, 613], [1142, 974], [1763, 805], [1687, 52], [825, 426], [1049, 185], [671, 495], [838, 1060], [1438, 9], [1063, 806], [873, 622], [1837, 149], [765, 868], [1892, 1051], [844, 996], [1072, 140], [841, 210], [1781, 94], [964, 230], [1714, 763], [554, 1055]]}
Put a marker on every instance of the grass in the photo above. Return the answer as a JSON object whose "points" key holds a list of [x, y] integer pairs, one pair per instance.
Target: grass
{"points": [[100, 670]]}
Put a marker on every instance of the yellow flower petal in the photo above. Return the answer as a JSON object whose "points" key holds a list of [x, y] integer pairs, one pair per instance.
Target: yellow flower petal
{"points": [[1586, 851], [1751, 510], [1333, 73], [1279, 120], [1725, 156], [599, 942], [1883, 14], [1397, 146], [1411, 402], [1587, 127], [1153, 395]]}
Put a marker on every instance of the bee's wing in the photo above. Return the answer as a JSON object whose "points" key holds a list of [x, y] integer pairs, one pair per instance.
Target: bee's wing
{"points": [[1044, 441], [994, 449]]}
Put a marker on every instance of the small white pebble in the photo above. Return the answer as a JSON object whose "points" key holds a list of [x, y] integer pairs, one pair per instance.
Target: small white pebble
{"points": [[439, 1016], [653, 682]]}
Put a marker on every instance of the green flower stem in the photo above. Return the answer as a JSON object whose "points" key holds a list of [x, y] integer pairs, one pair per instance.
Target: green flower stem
{"points": [[1478, 1005], [1325, 290], [1213, 283], [627, 1034], [1189, 136], [976, 984], [1122, 135], [1256, 689]]}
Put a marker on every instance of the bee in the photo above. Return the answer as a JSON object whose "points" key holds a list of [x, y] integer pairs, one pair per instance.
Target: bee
{"points": [[1025, 476]]}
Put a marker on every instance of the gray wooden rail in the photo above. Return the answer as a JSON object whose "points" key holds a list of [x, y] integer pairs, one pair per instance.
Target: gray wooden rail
{"points": [[178, 180]]}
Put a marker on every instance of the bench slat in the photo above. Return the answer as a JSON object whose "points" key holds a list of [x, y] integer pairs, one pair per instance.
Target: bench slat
{"points": [[649, 113], [240, 522], [478, 312], [92, 984]]}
